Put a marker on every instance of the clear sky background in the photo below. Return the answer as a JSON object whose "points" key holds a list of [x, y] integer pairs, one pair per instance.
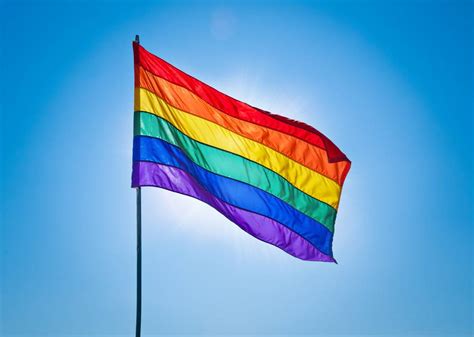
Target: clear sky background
{"points": [[390, 83]]}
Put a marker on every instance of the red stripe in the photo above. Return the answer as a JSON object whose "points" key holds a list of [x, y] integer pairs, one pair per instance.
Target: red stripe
{"points": [[237, 108]]}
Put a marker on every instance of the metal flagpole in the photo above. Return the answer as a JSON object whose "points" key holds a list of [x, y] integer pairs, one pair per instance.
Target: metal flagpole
{"points": [[139, 252], [139, 262]]}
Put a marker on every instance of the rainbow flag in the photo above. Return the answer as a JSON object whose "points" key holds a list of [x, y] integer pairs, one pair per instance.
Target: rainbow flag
{"points": [[278, 179]]}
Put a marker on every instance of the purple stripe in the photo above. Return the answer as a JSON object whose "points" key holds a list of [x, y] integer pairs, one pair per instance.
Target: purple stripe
{"points": [[261, 227]]}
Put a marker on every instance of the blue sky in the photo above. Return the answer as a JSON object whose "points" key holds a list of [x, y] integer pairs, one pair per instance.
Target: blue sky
{"points": [[389, 82]]}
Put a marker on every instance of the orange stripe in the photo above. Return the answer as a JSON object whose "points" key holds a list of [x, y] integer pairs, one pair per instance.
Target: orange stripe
{"points": [[300, 151]]}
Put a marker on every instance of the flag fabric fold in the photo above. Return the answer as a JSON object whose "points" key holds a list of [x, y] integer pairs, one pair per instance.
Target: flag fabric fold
{"points": [[278, 179]]}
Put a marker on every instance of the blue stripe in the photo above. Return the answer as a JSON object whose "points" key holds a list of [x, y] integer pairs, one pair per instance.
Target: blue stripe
{"points": [[235, 192]]}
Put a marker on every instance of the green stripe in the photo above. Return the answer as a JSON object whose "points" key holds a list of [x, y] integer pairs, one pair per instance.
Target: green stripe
{"points": [[235, 167]]}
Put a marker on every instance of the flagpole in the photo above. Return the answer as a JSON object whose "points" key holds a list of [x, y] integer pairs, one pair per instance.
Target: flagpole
{"points": [[139, 252], [139, 262]]}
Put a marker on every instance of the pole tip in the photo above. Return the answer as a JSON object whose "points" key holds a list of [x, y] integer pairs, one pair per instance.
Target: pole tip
{"points": [[137, 38]]}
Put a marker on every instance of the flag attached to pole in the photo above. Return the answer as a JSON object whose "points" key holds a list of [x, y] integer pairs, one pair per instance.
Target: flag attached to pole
{"points": [[278, 179]]}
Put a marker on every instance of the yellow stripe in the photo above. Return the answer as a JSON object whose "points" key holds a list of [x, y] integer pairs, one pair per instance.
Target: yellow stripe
{"points": [[309, 181]]}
